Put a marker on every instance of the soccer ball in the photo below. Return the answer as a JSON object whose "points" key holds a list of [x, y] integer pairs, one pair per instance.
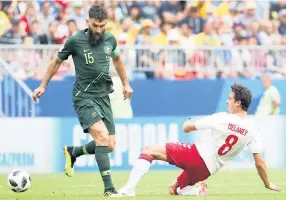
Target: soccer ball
{"points": [[19, 180]]}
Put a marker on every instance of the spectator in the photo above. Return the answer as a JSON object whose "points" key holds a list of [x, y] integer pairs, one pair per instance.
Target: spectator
{"points": [[72, 26], [77, 14], [173, 59], [226, 35], [187, 37], [211, 16], [208, 37], [127, 35], [29, 17], [161, 38], [201, 7], [247, 18], [170, 9], [239, 29], [276, 8], [113, 26], [282, 27], [13, 35], [62, 29], [196, 23], [4, 21], [121, 108], [135, 15], [50, 37], [223, 8], [45, 16], [270, 100], [145, 57], [145, 35], [269, 35], [148, 9], [35, 32]]}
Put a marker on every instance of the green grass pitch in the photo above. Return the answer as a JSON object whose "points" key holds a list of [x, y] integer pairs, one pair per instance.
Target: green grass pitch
{"points": [[228, 185]]}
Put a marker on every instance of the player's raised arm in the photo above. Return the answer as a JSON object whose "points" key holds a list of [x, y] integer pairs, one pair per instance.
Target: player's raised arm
{"points": [[262, 171], [53, 67], [120, 68]]}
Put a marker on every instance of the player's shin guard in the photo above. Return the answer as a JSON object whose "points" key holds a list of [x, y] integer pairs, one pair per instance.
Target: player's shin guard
{"points": [[140, 168], [86, 149], [102, 159]]}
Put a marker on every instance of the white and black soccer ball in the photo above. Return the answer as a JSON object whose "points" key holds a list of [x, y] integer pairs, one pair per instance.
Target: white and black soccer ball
{"points": [[19, 180]]}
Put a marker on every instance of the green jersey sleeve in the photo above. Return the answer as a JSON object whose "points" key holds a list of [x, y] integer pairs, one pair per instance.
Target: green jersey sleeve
{"points": [[115, 50], [67, 50]]}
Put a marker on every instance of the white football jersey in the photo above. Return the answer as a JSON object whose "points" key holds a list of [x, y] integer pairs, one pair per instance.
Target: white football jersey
{"points": [[229, 135]]}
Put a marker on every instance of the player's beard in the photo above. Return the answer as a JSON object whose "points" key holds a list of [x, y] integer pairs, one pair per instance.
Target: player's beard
{"points": [[95, 38]]}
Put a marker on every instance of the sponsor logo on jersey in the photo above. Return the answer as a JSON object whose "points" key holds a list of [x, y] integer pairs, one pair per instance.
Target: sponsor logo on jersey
{"points": [[93, 114]]}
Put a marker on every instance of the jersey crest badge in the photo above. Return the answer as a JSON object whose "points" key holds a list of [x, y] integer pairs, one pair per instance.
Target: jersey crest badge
{"points": [[107, 49]]}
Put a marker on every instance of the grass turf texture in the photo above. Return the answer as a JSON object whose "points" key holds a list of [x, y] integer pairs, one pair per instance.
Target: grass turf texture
{"points": [[229, 185]]}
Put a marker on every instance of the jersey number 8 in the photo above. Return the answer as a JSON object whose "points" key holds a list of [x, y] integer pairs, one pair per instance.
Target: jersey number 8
{"points": [[230, 141]]}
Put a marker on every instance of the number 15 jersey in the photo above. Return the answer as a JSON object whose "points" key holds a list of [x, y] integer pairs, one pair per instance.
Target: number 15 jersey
{"points": [[229, 135], [91, 64]]}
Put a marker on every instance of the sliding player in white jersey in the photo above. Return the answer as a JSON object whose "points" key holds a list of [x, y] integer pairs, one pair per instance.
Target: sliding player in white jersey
{"points": [[230, 133]]}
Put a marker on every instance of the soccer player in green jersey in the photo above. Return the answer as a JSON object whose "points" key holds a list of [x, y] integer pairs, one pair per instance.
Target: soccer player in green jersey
{"points": [[91, 50]]}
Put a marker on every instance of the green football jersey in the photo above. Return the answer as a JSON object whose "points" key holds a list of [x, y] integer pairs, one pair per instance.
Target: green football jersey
{"points": [[91, 64]]}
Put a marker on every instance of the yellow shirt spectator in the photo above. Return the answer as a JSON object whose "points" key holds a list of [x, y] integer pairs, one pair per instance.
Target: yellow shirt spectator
{"points": [[113, 28], [4, 23], [202, 8], [160, 39], [223, 9], [203, 39]]}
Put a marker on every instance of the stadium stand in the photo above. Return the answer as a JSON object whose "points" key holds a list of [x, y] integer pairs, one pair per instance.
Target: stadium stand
{"points": [[179, 40]]}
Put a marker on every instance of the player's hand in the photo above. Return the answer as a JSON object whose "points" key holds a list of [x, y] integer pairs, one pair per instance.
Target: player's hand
{"points": [[127, 92], [38, 93], [272, 186]]}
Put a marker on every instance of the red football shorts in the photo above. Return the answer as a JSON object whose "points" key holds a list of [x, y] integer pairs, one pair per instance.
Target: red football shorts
{"points": [[187, 157]]}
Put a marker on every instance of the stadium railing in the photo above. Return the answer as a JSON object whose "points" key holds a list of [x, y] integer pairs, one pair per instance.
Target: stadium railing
{"points": [[15, 96], [31, 61]]}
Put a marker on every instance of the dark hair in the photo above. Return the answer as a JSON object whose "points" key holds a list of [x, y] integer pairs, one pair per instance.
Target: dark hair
{"points": [[243, 95], [71, 21], [97, 12]]}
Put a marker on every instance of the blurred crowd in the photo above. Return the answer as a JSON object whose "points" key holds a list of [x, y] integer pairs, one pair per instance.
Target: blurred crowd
{"points": [[201, 22], [184, 24]]}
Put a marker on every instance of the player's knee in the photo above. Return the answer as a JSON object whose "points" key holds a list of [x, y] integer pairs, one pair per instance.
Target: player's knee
{"points": [[111, 146], [149, 150], [101, 138]]}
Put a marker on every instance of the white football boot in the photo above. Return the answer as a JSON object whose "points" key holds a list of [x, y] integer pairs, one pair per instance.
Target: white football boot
{"points": [[125, 192], [203, 189]]}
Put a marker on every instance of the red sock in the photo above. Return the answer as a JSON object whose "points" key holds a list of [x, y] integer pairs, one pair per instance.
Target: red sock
{"points": [[146, 157]]}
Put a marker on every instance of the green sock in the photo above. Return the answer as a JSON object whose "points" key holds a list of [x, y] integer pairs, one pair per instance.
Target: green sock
{"points": [[102, 159], [86, 149]]}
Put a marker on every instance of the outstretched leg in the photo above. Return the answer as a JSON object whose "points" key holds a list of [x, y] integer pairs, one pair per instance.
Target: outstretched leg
{"points": [[184, 156], [142, 166]]}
